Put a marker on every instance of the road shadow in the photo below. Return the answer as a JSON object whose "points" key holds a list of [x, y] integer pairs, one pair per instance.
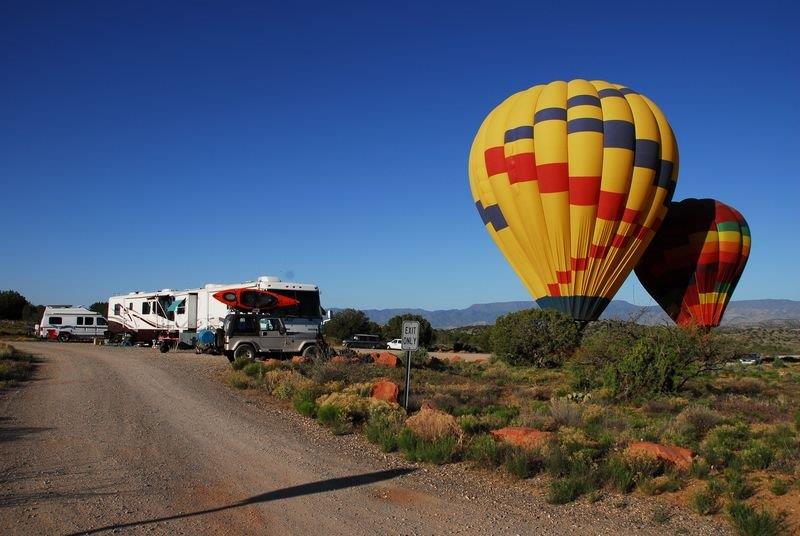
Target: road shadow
{"points": [[14, 433], [311, 488]]}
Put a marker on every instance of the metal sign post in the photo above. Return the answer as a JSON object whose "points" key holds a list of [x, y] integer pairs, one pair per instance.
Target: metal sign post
{"points": [[410, 342]]}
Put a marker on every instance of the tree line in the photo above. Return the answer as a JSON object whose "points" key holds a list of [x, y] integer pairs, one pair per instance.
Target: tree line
{"points": [[15, 306]]}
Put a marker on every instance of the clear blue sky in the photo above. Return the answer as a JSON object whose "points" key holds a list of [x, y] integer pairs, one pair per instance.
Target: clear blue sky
{"points": [[150, 146]]}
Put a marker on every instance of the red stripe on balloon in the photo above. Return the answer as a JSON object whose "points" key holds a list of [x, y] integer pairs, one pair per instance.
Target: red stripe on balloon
{"points": [[584, 191], [553, 289], [495, 160], [521, 167], [553, 178], [579, 264], [609, 205]]}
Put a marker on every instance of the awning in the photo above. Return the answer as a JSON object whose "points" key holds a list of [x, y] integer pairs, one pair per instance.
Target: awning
{"points": [[174, 305]]}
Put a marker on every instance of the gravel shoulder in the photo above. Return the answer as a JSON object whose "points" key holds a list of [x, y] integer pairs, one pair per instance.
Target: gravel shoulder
{"points": [[109, 439]]}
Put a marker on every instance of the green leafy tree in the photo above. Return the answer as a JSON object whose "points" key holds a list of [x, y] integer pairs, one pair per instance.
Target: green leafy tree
{"points": [[632, 360], [32, 313], [100, 307], [12, 304], [347, 322], [394, 326], [535, 337]]}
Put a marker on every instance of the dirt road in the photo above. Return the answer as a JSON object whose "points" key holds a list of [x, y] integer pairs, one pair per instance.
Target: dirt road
{"points": [[126, 439]]}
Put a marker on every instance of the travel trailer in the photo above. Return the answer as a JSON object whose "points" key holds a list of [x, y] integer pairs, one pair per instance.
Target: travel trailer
{"points": [[182, 313], [68, 323]]}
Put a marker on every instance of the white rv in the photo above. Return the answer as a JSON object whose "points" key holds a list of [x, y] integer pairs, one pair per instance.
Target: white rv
{"points": [[66, 323], [182, 313]]}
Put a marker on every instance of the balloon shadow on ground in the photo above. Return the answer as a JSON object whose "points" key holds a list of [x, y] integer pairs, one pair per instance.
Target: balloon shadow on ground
{"points": [[311, 488]]}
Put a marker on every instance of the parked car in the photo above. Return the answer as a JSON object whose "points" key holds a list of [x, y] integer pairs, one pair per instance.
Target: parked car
{"points": [[363, 340], [254, 335], [750, 359], [395, 344]]}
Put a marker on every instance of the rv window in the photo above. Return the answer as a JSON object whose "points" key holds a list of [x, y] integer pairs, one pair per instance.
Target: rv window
{"points": [[80, 320], [117, 308], [89, 321], [54, 320], [181, 310], [130, 306], [102, 322], [145, 308]]}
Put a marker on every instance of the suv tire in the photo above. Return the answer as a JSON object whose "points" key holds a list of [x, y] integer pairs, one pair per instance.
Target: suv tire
{"points": [[245, 351]]}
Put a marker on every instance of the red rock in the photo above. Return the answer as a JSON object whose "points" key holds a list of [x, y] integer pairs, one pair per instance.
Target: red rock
{"points": [[340, 360], [387, 359], [272, 362], [455, 358], [521, 436], [680, 457], [385, 390], [299, 360]]}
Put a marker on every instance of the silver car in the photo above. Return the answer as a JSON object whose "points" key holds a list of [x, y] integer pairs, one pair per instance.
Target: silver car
{"points": [[250, 335]]}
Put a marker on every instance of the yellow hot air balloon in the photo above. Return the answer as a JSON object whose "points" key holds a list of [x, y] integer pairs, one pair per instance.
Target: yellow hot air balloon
{"points": [[572, 179]]}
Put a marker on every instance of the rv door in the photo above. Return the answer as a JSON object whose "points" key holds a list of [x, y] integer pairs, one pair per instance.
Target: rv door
{"points": [[191, 311]]}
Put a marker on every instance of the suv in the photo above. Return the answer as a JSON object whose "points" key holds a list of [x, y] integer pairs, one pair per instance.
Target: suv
{"points": [[395, 344], [250, 335], [363, 340]]}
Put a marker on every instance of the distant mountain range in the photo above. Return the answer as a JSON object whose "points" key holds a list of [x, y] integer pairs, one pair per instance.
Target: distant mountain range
{"points": [[738, 313]]}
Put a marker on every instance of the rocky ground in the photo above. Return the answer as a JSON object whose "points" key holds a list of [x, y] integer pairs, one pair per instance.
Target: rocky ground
{"points": [[109, 439]]}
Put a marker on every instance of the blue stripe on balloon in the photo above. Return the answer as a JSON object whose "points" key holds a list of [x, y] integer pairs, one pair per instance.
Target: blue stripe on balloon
{"points": [[619, 134], [647, 154], [609, 92], [492, 214], [585, 124], [519, 133], [549, 114], [583, 100]]}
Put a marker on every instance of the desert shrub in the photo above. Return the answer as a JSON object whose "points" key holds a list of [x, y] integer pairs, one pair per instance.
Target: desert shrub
{"points": [[437, 451], [384, 423], [694, 422], [485, 450], [751, 522], [352, 407], [239, 380], [491, 418], [252, 369], [661, 514], [304, 401], [432, 425], [635, 360], [566, 413], [779, 486], [722, 444], [661, 484], [534, 337], [624, 473], [797, 419], [419, 358], [757, 455], [240, 362], [566, 490], [705, 502], [751, 409], [700, 468], [358, 389], [284, 383], [738, 486], [522, 463], [742, 386], [334, 418]]}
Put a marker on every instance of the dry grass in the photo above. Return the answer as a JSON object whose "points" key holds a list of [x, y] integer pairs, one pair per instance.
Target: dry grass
{"points": [[433, 425]]}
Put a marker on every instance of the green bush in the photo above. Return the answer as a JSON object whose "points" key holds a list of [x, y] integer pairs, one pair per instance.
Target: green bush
{"points": [[757, 455], [738, 486], [240, 362], [347, 322], [522, 463], [534, 337], [252, 369], [566, 490], [705, 502], [239, 380], [635, 360], [334, 418], [485, 450], [438, 451], [751, 522], [13, 371], [722, 445], [383, 426], [779, 487], [304, 401]]}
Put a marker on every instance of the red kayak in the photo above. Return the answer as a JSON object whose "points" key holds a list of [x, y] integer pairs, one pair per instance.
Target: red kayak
{"points": [[253, 298]]}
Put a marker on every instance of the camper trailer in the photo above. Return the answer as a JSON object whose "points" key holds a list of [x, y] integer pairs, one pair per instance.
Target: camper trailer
{"points": [[182, 313], [68, 323]]}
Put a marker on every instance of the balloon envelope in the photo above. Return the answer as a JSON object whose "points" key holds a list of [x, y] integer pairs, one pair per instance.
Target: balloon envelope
{"points": [[571, 180], [695, 261]]}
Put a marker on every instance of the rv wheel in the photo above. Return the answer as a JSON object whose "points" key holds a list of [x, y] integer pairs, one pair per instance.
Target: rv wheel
{"points": [[64, 336]]}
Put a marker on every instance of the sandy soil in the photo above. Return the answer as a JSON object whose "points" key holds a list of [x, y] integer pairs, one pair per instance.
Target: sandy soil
{"points": [[109, 439]]}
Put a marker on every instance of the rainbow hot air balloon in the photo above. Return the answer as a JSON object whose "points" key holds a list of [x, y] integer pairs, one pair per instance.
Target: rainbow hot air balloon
{"points": [[693, 264], [572, 179]]}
